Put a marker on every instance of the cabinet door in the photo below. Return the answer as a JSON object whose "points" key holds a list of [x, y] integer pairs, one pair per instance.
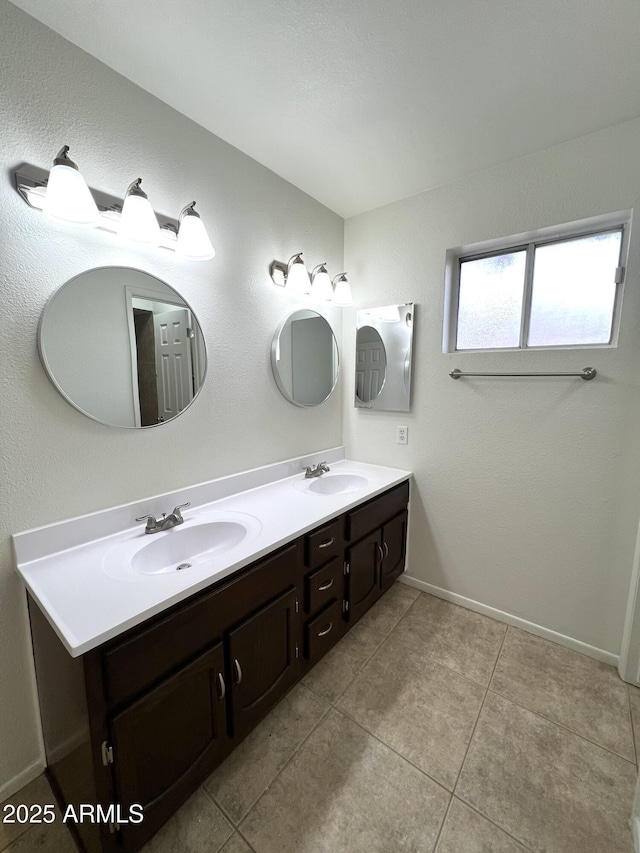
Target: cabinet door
{"points": [[264, 662], [394, 541], [363, 580], [168, 741]]}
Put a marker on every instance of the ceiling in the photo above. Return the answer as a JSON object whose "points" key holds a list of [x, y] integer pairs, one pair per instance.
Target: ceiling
{"points": [[363, 102]]}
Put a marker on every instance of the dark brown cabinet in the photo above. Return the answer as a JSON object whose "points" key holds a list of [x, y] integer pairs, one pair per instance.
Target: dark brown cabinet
{"points": [[264, 659], [151, 713], [165, 743]]}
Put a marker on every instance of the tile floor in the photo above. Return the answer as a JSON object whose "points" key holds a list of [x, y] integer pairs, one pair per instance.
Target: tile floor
{"points": [[427, 728]]}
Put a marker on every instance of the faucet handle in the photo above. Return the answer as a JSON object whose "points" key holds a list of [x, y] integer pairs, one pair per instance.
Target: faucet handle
{"points": [[152, 524], [176, 511]]}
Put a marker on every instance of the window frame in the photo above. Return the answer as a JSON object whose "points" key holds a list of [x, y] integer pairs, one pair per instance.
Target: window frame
{"points": [[619, 221]]}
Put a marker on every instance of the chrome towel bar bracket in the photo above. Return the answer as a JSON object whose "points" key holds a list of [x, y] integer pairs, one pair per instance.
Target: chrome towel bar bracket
{"points": [[586, 373]]}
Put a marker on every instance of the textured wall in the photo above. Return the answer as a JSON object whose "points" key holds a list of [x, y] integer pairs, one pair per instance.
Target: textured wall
{"points": [[57, 463], [526, 491]]}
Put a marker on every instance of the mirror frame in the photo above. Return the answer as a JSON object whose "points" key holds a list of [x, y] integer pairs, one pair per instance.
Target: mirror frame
{"points": [[50, 376], [274, 364]]}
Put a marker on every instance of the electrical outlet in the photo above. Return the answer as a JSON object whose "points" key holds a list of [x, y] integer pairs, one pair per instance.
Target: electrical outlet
{"points": [[402, 435]]}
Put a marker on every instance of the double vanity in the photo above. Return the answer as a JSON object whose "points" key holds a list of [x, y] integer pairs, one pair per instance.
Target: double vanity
{"points": [[157, 654]]}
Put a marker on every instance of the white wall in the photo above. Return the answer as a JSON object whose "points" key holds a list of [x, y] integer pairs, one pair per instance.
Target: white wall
{"points": [[526, 494], [57, 463]]}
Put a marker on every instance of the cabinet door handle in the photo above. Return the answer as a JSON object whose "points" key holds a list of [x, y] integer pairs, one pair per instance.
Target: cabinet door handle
{"points": [[326, 543], [386, 550], [238, 670], [326, 630], [326, 585], [223, 688], [380, 553]]}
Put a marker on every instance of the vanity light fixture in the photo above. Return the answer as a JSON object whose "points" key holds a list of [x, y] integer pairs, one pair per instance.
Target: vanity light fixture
{"points": [[64, 195], [67, 197], [342, 290], [193, 241], [293, 274], [321, 286], [138, 221]]}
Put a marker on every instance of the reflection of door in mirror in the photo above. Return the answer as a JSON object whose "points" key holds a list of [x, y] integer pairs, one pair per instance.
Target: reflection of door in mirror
{"points": [[163, 364], [371, 364]]}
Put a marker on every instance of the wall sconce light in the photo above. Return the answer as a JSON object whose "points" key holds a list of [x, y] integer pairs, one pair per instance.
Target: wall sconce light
{"points": [[64, 195], [294, 276], [321, 286], [67, 197], [342, 290], [138, 221], [193, 240]]}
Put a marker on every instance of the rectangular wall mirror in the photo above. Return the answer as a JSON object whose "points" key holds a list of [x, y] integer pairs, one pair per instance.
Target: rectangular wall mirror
{"points": [[383, 358]]}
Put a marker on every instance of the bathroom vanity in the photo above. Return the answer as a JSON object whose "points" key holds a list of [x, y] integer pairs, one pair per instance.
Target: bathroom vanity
{"points": [[141, 714]]}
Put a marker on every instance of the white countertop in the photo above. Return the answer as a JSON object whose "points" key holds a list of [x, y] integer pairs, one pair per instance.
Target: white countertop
{"points": [[87, 602]]}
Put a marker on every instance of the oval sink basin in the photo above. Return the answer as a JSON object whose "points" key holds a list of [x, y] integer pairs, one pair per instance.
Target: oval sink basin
{"points": [[332, 484], [200, 541], [183, 546]]}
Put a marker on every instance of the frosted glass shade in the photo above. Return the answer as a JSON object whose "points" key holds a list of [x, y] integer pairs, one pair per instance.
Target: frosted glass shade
{"points": [[193, 240], [342, 293], [68, 198], [298, 280], [138, 221], [322, 288]]}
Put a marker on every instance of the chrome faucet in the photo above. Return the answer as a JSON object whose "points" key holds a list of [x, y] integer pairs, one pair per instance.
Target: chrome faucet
{"points": [[317, 471], [155, 525]]}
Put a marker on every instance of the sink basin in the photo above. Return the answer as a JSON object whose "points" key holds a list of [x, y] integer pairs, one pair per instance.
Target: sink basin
{"points": [[185, 546], [332, 484], [201, 540]]}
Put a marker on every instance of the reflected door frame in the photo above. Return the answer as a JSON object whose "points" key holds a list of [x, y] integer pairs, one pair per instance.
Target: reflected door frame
{"points": [[131, 292]]}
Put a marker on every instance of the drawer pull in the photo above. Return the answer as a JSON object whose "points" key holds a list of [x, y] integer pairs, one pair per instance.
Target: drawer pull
{"points": [[326, 630], [380, 553], [223, 689], [238, 670], [326, 543], [326, 585], [386, 550]]}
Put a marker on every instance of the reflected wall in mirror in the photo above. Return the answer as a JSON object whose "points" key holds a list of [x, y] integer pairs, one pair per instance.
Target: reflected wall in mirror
{"points": [[304, 358], [122, 347], [384, 339]]}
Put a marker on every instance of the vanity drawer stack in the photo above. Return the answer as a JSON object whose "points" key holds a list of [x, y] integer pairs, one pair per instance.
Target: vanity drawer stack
{"points": [[324, 590]]}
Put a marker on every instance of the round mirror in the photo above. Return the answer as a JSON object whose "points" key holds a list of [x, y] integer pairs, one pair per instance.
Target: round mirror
{"points": [[371, 364], [304, 358], [122, 347]]}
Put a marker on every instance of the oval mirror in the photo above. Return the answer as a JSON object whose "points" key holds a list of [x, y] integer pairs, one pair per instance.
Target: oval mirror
{"points": [[371, 364], [304, 358], [122, 347]]}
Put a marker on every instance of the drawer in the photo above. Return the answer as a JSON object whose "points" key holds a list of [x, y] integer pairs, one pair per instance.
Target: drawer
{"points": [[324, 543], [323, 585], [375, 512], [323, 631], [146, 655]]}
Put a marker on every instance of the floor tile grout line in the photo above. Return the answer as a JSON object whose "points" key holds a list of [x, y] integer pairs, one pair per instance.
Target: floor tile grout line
{"points": [[284, 766], [484, 699], [524, 844], [251, 850], [444, 820], [562, 726], [392, 749]]}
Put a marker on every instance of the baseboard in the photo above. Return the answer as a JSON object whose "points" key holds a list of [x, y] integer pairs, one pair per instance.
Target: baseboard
{"points": [[635, 833], [8, 789], [516, 621]]}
